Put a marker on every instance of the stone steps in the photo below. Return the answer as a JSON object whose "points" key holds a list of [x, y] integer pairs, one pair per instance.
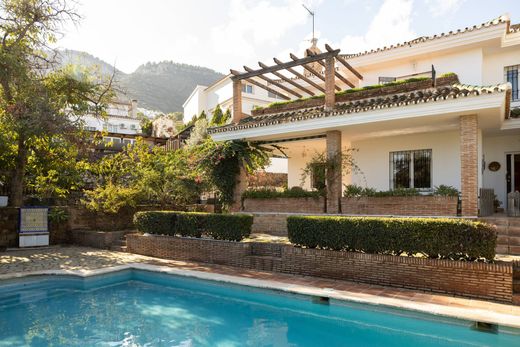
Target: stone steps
{"points": [[119, 245], [265, 262], [508, 234]]}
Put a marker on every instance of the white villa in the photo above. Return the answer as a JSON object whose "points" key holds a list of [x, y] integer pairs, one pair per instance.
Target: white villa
{"points": [[206, 98], [458, 127]]}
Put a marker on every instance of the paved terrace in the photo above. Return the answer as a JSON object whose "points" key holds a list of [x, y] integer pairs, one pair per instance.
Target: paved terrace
{"points": [[85, 261]]}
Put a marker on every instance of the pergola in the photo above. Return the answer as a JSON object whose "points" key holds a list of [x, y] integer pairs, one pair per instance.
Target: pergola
{"points": [[328, 84]]}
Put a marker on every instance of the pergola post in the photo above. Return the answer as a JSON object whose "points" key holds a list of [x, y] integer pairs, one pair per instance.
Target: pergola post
{"points": [[237, 101], [330, 93], [334, 172], [469, 164]]}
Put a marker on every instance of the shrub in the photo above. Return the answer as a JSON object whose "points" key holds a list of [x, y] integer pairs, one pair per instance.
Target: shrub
{"points": [[232, 227], [434, 238], [155, 222], [266, 193], [444, 190]]}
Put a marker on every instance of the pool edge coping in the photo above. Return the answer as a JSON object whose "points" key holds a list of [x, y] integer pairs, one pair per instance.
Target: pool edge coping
{"points": [[439, 310]]}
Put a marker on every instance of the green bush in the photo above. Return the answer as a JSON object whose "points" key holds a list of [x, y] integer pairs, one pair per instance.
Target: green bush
{"points": [[232, 227], [155, 222], [435, 238], [444, 190], [294, 192], [355, 191]]}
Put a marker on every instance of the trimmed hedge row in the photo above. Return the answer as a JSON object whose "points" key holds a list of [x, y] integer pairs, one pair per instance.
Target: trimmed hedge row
{"points": [[435, 238], [232, 227]]}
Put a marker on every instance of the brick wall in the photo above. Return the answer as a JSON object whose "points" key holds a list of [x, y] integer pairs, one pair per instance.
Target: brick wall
{"points": [[477, 280], [290, 205], [401, 205]]}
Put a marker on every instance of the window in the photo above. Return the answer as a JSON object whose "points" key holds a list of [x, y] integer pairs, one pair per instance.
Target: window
{"points": [[411, 169], [511, 73], [108, 139], [247, 88], [133, 126], [89, 128], [111, 128], [385, 80], [273, 95], [128, 141]]}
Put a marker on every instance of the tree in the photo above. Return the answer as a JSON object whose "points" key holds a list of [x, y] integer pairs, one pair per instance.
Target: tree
{"points": [[36, 100], [226, 118], [216, 120], [199, 133]]}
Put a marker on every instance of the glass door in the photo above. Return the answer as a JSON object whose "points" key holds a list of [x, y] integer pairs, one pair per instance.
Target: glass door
{"points": [[513, 172]]}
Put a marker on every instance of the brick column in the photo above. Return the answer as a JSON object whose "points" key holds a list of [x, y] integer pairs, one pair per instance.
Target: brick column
{"points": [[237, 101], [334, 179], [240, 187], [469, 164], [330, 93]]}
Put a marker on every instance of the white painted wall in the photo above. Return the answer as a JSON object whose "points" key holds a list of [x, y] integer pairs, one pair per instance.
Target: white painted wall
{"points": [[121, 125], [495, 148]]}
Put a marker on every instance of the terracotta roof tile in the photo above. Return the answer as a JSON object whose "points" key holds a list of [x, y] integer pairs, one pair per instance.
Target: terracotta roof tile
{"points": [[496, 21], [363, 105]]}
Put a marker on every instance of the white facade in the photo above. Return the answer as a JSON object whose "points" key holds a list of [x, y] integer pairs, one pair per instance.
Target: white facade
{"points": [[221, 93], [121, 119], [479, 56]]}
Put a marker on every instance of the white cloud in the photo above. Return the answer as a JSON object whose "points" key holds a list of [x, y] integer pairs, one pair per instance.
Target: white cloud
{"points": [[443, 7], [390, 25], [255, 27]]}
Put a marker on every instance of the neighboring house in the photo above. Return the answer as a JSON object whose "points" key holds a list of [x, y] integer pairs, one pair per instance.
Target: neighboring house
{"points": [[221, 93], [121, 119], [413, 135], [121, 127]]}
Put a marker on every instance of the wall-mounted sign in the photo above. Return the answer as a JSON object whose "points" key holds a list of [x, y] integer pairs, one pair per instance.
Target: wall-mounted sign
{"points": [[494, 166]]}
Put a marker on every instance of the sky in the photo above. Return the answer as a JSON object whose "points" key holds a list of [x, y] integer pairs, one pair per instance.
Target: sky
{"points": [[225, 34]]}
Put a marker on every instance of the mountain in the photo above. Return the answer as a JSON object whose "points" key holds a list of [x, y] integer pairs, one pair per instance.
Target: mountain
{"points": [[162, 86]]}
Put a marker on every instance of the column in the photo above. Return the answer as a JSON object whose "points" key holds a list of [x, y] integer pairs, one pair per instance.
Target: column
{"points": [[237, 101], [330, 92], [469, 165], [333, 178]]}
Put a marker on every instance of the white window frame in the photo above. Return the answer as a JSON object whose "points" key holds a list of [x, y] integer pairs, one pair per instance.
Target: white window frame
{"points": [[245, 88]]}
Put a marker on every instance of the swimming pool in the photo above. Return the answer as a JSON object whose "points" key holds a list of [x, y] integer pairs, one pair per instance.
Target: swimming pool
{"points": [[143, 308]]}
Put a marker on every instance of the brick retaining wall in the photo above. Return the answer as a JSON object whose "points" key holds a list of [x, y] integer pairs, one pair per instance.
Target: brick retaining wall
{"points": [[401, 205], [270, 223], [291, 205], [478, 280], [96, 239]]}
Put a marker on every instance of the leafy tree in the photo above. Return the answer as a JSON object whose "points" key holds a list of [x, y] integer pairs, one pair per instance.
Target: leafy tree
{"points": [[35, 99], [146, 126], [216, 120], [199, 133], [226, 118]]}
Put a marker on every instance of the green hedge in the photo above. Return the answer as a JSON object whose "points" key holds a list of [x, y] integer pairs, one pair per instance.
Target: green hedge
{"points": [[434, 238], [267, 193], [233, 227]]}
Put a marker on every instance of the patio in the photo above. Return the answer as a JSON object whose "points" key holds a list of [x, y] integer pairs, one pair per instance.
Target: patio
{"points": [[87, 261]]}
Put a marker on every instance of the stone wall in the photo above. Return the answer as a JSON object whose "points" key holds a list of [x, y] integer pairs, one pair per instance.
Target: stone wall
{"points": [[289, 205], [401, 205], [96, 239], [8, 227], [270, 223], [477, 280]]}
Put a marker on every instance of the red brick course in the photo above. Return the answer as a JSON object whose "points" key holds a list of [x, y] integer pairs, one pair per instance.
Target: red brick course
{"points": [[401, 205], [477, 280]]}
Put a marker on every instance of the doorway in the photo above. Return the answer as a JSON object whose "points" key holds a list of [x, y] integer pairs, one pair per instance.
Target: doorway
{"points": [[513, 172]]}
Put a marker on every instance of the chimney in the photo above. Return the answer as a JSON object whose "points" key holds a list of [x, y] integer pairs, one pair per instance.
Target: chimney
{"points": [[133, 108]]}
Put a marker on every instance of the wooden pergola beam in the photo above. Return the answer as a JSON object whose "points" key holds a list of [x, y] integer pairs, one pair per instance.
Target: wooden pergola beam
{"points": [[302, 77], [283, 66], [312, 71], [288, 80], [260, 85], [344, 62], [337, 74], [274, 83]]}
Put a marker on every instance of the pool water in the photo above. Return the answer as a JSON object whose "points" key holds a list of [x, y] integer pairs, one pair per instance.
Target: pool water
{"points": [[141, 308]]}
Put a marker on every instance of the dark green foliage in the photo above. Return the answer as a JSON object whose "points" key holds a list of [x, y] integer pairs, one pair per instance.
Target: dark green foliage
{"points": [[435, 238], [444, 190], [294, 192], [217, 118], [232, 227], [155, 222]]}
